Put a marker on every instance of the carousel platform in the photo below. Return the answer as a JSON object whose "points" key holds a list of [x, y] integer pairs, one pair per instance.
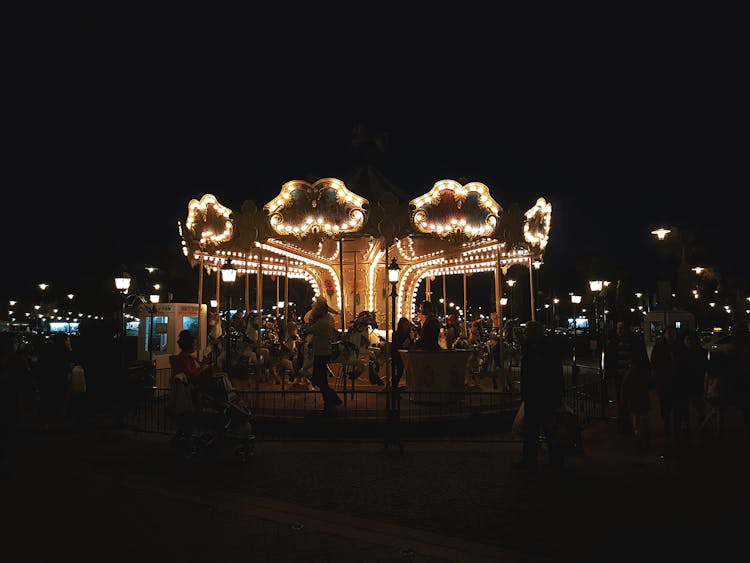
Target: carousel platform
{"points": [[284, 408]]}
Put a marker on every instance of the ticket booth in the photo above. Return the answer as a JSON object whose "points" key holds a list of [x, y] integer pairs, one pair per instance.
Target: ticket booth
{"points": [[159, 329]]}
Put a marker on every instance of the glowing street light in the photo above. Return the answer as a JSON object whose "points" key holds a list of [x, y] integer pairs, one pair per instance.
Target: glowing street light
{"points": [[228, 275], [122, 282], [661, 233], [575, 300], [394, 272]]}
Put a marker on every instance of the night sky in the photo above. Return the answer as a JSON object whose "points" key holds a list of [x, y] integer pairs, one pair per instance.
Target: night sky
{"points": [[624, 119]]}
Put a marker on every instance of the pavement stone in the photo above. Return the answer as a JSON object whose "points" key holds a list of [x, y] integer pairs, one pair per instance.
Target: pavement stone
{"points": [[123, 496]]}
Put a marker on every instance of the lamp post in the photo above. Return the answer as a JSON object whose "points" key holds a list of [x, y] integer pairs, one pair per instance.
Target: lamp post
{"points": [[511, 283], [122, 283], [154, 298], [575, 300], [596, 287], [394, 271], [228, 275]]}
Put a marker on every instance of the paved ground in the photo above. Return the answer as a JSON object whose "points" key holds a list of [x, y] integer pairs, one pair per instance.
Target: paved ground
{"points": [[90, 496]]}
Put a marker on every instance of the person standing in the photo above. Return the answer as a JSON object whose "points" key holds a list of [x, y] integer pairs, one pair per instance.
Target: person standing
{"points": [[429, 333], [186, 372], [739, 364], [401, 341], [693, 363], [635, 393], [664, 359], [14, 370], [77, 406], [57, 360], [323, 331], [623, 350], [541, 391]]}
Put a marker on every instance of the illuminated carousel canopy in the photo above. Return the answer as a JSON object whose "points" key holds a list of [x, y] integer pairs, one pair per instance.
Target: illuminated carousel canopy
{"points": [[207, 226], [450, 209], [326, 209]]}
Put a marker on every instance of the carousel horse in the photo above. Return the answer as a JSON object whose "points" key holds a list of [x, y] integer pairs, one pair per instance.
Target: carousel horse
{"points": [[355, 345], [284, 356], [214, 342], [250, 339]]}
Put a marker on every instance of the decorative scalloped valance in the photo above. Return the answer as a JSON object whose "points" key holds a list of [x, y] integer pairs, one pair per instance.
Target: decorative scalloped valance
{"points": [[451, 209], [325, 208]]}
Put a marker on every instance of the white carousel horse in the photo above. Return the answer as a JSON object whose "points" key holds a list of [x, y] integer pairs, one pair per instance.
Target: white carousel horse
{"points": [[354, 346], [214, 342], [284, 359]]}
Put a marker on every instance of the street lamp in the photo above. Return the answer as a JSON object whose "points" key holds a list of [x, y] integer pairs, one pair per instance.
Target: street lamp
{"points": [[228, 275], [511, 283], [575, 300], [503, 303], [122, 283], [661, 233], [394, 271], [596, 286], [154, 298]]}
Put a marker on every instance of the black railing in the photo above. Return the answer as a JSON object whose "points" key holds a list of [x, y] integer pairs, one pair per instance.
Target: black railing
{"points": [[291, 414]]}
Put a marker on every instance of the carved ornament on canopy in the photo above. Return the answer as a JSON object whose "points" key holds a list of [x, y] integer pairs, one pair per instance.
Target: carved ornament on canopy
{"points": [[207, 226], [325, 208], [537, 225], [451, 209]]}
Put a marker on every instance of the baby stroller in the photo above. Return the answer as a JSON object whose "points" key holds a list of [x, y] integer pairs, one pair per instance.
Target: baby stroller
{"points": [[209, 415]]}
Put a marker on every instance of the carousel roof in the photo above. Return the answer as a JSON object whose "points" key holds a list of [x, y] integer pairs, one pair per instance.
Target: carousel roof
{"points": [[311, 217]]}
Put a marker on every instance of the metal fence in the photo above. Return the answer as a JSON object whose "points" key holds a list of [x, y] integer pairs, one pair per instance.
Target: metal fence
{"points": [[469, 415]]}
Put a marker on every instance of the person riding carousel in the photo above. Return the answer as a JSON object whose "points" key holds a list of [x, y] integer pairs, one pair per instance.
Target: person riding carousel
{"points": [[322, 330]]}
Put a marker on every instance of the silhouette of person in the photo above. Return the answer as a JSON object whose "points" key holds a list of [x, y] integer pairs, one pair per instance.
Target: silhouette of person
{"points": [[323, 332], [623, 350], [541, 391], [401, 341], [430, 328]]}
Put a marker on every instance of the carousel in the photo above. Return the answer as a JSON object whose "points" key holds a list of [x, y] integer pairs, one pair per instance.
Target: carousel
{"points": [[373, 259]]}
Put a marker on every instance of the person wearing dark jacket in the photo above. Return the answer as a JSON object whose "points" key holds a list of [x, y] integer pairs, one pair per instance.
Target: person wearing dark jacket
{"points": [[430, 328], [401, 341], [542, 387], [691, 375], [664, 362], [57, 360], [623, 351]]}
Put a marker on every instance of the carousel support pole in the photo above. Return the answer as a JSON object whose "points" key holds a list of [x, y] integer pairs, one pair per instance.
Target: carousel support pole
{"points": [[218, 291], [286, 295], [247, 288], [499, 311], [466, 328], [531, 290], [341, 285], [341, 312], [259, 307], [427, 290], [354, 293], [218, 299], [445, 301], [388, 343], [277, 303], [200, 304]]}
